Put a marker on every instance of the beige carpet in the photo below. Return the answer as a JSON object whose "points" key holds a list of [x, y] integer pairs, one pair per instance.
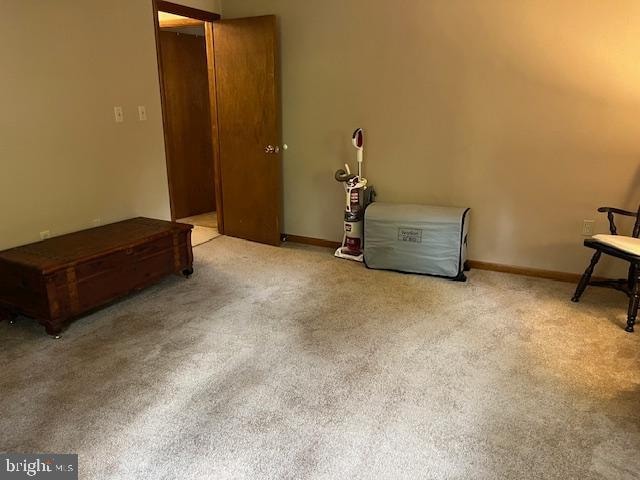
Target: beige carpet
{"points": [[290, 364]]}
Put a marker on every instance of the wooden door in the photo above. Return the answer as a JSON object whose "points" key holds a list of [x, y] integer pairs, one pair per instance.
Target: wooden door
{"points": [[249, 129], [188, 124]]}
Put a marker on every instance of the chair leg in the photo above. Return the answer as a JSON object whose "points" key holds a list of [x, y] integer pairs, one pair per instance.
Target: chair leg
{"points": [[634, 300], [586, 276], [631, 277]]}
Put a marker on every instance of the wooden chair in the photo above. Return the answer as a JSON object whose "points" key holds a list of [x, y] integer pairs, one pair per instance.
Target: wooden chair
{"points": [[619, 246]]}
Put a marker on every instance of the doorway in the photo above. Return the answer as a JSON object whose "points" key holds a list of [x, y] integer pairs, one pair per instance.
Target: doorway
{"points": [[219, 82], [187, 115]]}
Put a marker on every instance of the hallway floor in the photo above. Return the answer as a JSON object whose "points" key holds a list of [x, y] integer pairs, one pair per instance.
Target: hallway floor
{"points": [[205, 227]]}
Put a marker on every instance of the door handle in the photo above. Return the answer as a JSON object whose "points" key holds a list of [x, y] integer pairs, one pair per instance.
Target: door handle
{"points": [[272, 149]]}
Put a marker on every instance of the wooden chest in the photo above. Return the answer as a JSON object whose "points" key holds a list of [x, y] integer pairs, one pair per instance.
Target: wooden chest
{"points": [[61, 278]]}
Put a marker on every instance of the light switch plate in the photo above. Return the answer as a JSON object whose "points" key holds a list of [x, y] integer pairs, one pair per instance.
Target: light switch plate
{"points": [[142, 113], [118, 114]]}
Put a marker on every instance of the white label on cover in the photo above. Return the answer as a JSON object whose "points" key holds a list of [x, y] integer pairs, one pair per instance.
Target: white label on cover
{"points": [[413, 235]]}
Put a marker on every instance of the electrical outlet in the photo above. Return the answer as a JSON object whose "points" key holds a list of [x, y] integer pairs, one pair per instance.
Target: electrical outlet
{"points": [[45, 234], [96, 222], [587, 227], [118, 113], [142, 113]]}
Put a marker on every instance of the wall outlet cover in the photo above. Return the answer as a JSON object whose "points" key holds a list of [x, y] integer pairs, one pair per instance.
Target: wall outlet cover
{"points": [[45, 234], [587, 227]]}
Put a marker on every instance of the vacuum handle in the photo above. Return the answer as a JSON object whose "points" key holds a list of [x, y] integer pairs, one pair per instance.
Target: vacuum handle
{"points": [[357, 139]]}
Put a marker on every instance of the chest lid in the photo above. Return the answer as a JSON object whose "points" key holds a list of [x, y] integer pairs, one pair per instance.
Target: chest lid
{"points": [[60, 252]]}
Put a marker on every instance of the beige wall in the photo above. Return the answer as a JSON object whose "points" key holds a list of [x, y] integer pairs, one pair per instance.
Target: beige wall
{"points": [[63, 159], [208, 5], [526, 111]]}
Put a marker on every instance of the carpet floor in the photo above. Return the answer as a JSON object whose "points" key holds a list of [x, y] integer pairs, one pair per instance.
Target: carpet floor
{"points": [[285, 363]]}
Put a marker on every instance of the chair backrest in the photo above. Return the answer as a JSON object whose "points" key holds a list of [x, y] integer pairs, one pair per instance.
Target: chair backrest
{"points": [[636, 226]]}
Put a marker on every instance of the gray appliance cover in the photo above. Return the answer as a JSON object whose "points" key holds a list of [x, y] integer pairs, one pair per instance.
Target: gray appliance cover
{"points": [[416, 238]]}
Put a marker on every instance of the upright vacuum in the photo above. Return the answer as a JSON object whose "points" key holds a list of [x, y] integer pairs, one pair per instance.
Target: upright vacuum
{"points": [[357, 195]]}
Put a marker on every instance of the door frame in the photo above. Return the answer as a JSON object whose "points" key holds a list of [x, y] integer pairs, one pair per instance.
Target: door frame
{"points": [[208, 18]]}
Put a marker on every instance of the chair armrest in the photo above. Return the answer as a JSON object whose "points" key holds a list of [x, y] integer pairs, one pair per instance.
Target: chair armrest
{"points": [[619, 211], [610, 211]]}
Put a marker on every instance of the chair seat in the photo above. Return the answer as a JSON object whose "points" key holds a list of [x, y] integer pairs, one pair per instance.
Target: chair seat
{"points": [[626, 244]]}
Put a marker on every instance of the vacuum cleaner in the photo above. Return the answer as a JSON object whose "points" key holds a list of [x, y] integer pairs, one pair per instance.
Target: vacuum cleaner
{"points": [[357, 195]]}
